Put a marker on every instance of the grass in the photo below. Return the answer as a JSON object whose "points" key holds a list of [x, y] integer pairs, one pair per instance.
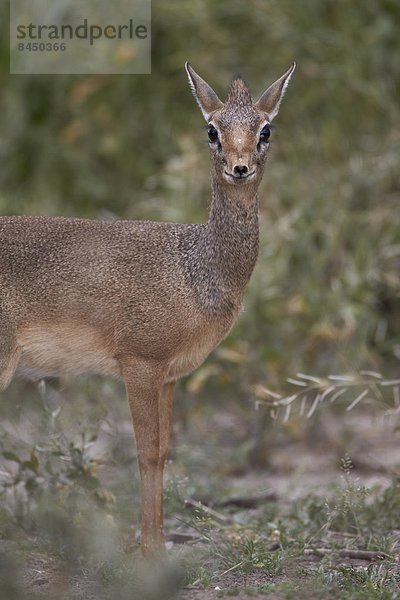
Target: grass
{"points": [[353, 518], [65, 521]]}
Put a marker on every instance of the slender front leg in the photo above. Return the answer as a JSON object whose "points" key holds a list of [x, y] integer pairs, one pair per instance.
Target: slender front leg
{"points": [[144, 383], [165, 417], [165, 421]]}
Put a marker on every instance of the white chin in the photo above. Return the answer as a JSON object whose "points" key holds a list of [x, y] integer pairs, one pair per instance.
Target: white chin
{"points": [[238, 180]]}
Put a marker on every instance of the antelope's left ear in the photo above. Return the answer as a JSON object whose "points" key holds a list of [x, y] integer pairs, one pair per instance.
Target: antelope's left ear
{"points": [[270, 100]]}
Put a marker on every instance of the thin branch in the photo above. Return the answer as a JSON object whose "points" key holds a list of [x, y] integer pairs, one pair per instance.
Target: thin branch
{"points": [[248, 501], [332, 387], [347, 553], [213, 514]]}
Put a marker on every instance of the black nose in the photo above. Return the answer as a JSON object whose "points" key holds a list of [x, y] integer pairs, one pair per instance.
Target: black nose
{"points": [[240, 170]]}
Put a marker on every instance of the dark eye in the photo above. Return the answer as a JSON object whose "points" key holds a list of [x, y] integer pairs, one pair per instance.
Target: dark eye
{"points": [[212, 134], [265, 133]]}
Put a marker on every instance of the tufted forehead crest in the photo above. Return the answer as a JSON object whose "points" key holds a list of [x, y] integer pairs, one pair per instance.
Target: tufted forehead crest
{"points": [[239, 104], [239, 93]]}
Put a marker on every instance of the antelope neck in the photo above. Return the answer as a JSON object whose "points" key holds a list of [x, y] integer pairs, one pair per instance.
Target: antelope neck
{"points": [[223, 257]]}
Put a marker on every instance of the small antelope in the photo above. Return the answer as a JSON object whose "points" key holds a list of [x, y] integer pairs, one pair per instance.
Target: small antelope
{"points": [[141, 300]]}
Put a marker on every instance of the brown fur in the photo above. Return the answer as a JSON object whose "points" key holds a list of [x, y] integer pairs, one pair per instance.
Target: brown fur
{"points": [[142, 300]]}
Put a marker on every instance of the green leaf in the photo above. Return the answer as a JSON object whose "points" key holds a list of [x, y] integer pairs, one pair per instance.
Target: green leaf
{"points": [[28, 464], [11, 456], [35, 462]]}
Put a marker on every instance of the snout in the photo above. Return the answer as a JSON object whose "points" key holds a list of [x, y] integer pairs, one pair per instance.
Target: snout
{"points": [[240, 170], [239, 173]]}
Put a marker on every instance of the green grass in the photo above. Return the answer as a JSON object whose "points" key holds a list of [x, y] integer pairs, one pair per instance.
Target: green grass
{"points": [[351, 519]]}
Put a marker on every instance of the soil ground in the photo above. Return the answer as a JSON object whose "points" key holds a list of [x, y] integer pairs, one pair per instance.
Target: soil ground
{"points": [[297, 467]]}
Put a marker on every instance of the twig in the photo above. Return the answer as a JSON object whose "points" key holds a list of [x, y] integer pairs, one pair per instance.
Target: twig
{"points": [[179, 537], [331, 387], [237, 566], [347, 553], [247, 501], [189, 502]]}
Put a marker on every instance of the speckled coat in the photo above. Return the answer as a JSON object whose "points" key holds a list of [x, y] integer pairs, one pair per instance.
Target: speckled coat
{"points": [[142, 300]]}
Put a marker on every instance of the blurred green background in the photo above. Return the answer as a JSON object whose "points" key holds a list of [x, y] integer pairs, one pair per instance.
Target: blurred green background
{"points": [[325, 294]]}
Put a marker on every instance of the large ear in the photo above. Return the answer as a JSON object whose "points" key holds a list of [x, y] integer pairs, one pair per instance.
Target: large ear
{"points": [[206, 98], [270, 100]]}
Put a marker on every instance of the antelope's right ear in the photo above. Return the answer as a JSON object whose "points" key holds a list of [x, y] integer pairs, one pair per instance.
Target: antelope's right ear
{"points": [[206, 98]]}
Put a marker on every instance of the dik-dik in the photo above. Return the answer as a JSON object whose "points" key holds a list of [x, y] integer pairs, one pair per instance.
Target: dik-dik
{"points": [[141, 300]]}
